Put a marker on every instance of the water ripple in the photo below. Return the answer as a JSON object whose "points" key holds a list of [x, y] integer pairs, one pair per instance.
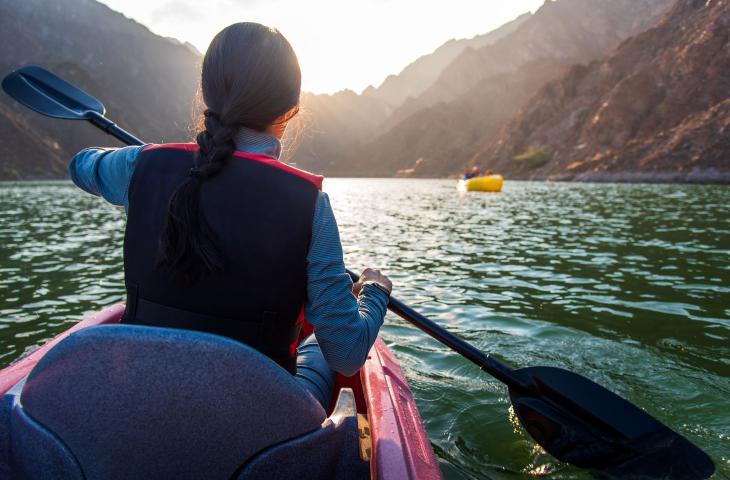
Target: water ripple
{"points": [[626, 284], [615, 282]]}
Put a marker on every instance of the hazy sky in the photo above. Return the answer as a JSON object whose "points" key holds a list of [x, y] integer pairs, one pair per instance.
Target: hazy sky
{"points": [[340, 44]]}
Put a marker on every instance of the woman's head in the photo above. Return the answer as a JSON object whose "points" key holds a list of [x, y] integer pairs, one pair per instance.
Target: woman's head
{"points": [[250, 78]]}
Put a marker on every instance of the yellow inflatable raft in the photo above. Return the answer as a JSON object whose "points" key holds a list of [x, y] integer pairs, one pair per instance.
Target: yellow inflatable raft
{"points": [[489, 183]]}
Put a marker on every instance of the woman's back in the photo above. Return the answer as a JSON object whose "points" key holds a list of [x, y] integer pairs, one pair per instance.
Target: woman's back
{"points": [[259, 212]]}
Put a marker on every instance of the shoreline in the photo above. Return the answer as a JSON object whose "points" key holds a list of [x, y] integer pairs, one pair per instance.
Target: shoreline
{"points": [[622, 178]]}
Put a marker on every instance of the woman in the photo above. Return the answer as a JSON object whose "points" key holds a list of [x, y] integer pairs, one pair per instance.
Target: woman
{"points": [[222, 237]]}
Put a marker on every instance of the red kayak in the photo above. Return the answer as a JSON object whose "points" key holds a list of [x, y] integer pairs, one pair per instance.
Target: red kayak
{"points": [[391, 441]]}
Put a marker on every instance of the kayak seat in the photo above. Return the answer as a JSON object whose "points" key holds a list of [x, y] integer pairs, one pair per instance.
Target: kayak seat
{"points": [[318, 454], [132, 402], [54, 458]]}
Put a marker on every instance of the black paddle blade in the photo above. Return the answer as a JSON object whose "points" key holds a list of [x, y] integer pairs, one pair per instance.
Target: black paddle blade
{"points": [[580, 422], [47, 94]]}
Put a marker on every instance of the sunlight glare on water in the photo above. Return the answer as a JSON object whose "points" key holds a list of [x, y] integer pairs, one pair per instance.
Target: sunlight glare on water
{"points": [[628, 285]]}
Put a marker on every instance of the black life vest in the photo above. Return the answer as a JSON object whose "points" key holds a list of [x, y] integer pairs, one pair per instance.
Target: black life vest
{"points": [[260, 211]]}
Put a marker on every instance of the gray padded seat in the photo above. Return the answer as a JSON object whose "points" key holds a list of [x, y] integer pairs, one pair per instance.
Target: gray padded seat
{"points": [[133, 402]]}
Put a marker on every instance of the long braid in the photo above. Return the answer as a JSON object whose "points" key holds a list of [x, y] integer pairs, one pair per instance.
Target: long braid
{"points": [[187, 246], [216, 145], [250, 77]]}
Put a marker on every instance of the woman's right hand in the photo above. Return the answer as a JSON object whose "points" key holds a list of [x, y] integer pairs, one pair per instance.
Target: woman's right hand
{"points": [[372, 275]]}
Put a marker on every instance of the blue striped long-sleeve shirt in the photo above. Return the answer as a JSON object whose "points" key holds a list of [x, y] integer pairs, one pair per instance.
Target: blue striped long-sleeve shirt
{"points": [[345, 327]]}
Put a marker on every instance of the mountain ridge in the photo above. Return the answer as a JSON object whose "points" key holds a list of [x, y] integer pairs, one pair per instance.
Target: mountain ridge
{"points": [[147, 82], [655, 109], [553, 38], [418, 75], [502, 95], [571, 31], [332, 126]]}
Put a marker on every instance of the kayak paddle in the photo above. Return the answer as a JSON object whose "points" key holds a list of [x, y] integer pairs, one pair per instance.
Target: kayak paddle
{"points": [[578, 421], [574, 419], [49, 95]]}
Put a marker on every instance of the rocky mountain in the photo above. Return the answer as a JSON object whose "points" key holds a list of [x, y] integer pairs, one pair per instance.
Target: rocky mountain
{"points": [[418, 76], [655, 109], [523, 99], [568, 31], [27, 151], [328, 127], [438, 140], [437, 133], [146, 82], [331, 127]]}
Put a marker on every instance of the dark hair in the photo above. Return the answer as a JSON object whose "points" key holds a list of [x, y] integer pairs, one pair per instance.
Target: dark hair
{"points": [[250, 77]]}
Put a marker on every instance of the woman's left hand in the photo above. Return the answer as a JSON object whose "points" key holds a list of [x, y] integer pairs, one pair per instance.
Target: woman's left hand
{"points": [[372, 275]]}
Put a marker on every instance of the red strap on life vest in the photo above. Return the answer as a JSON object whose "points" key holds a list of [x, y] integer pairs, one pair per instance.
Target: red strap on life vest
{"points": [[191, 147], [312, 178]]}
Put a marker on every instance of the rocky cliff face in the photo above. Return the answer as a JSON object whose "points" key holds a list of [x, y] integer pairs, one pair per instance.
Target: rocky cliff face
{"points": [[439, 132], [329, 127], [332, 127], [438, 140], [27, 151], [655, 109], [568, 31], [146, 82]]}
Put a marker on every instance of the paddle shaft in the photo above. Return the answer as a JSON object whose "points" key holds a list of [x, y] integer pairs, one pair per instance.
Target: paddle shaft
{"points": [[100, 121], [492, 366]]}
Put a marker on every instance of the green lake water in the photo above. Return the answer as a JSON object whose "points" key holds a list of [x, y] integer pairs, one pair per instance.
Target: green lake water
{"points": [[628, 285]]}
